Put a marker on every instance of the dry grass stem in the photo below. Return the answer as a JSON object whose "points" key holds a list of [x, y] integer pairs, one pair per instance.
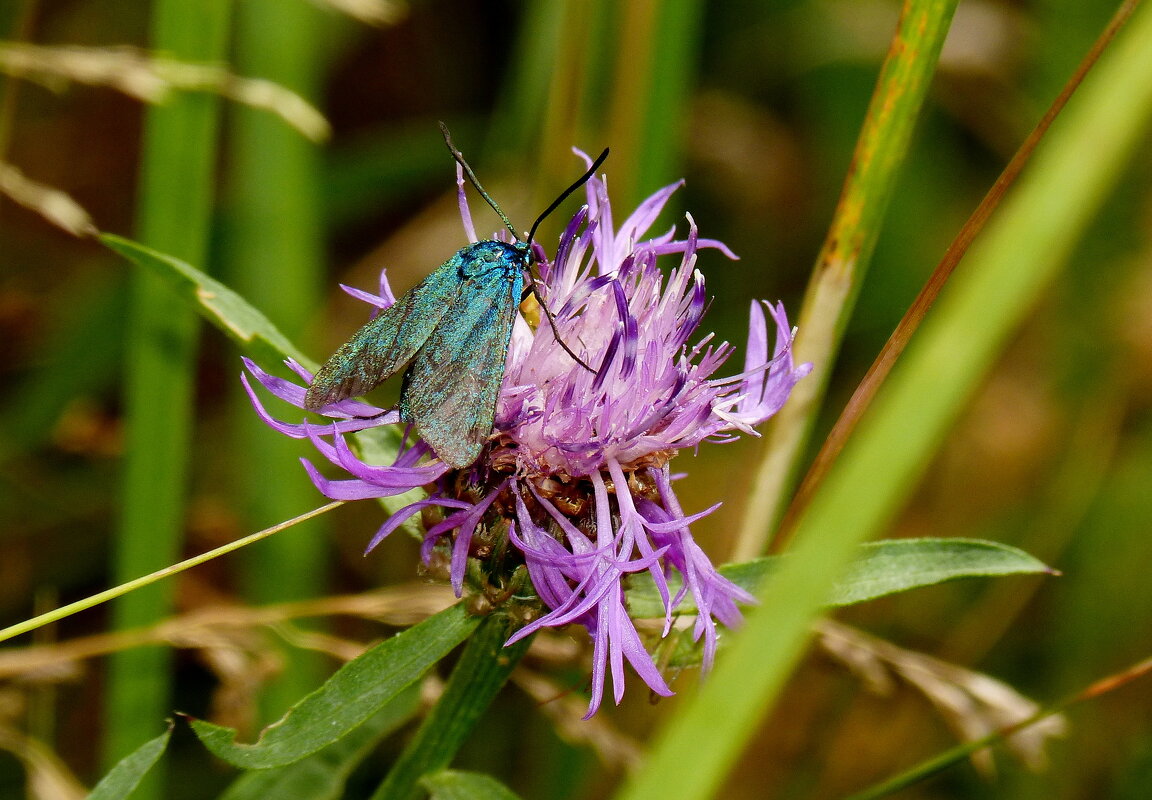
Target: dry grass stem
{"points": [[973, 704], [52, 204], [152, 79], [370, 12]]}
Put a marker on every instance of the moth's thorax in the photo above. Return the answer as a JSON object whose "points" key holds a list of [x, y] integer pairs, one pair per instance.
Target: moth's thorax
{"points": [[483, 257]]}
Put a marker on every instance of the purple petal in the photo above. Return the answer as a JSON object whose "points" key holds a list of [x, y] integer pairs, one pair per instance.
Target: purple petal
{"points": [[341, 490], [645, 214], [371, 299], [398, 518]]}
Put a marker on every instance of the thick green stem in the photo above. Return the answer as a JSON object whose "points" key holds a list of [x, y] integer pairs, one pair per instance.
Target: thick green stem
{"points": [[175, 210]]}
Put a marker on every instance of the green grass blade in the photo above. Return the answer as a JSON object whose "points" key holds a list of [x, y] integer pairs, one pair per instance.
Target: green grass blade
{"points": [[258, 338], [178, 162], [134, 585], [323, 776], [234, 316], [123, 779], [273, 252], [349, 698], [1005, 272], [897, 565]]}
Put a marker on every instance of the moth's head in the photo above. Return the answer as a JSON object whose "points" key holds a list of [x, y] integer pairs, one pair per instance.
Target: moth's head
{"points": [[524, 251], [508, 254], [533, 253]]}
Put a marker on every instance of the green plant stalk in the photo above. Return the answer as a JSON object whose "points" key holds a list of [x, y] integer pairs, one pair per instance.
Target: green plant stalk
{"points": [[878, 372], [656, 56], [843, 260], [540, 54], [1007, 270], [482, 670], [274, 253], [563, 108], [175, 209], [675, 62]]}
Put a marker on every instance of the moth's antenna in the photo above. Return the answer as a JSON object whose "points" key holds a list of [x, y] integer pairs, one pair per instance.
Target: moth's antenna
{"points": [[564, 195], [535, 287], [456, 154], [531, 233], [552, 324]]}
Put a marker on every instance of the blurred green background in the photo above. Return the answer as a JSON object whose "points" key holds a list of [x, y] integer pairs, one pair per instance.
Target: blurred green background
{"points": [[757, 106]]}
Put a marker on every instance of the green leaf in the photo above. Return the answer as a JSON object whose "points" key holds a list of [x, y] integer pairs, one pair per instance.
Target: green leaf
{"points": [[221, 306], [881, 568], [123, 778], [481, 672], [896, 565], [450, 784], [356, 692], [322, 776]]}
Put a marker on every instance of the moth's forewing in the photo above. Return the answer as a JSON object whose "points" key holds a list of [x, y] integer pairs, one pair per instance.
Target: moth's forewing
{"points": [[451, 388], [383, 346]]}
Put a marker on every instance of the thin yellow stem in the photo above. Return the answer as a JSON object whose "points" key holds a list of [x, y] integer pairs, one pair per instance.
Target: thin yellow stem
{"points": [[124, 588]]}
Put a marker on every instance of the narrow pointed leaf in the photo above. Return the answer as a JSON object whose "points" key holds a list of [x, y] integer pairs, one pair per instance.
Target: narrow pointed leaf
{"points": [[481, 672], [356, 692], [256, 336], [123, 778], [897, 565], [221, 306], [323, 776], [881, 568]]}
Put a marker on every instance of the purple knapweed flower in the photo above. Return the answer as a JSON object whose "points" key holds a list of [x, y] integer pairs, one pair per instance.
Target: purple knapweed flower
{"points": [[576, 474]]}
